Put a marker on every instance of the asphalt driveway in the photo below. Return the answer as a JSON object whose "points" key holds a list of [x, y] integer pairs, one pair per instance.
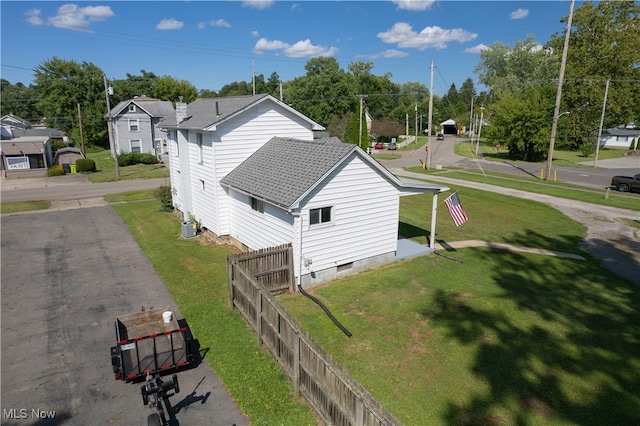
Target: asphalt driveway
{"points": [[66, 275]]}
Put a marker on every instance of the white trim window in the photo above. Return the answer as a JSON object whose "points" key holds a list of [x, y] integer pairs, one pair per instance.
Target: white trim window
{"points": [[135, 145], [134, 125], [132, 108], [256, 205], [320, 216]]}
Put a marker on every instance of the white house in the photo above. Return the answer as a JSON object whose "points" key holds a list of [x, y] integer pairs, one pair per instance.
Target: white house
{"points": [[211, 137], [249, 167], [620, 137], [137, 125], [320, 196]]}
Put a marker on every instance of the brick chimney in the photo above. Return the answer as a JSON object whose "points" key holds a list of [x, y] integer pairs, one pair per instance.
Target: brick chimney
{"points": [[181, 111]]}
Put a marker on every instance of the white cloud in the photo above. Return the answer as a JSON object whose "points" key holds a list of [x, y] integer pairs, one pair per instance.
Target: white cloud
{"points": [[33, 17], [519, 14], [214, 23], [255, 33], [263, 45], [304, 48], [414, 4], [476, 49], [434, 37], [71, 17], [393, 53], [300, 49], [169, 24], [258, 4]]}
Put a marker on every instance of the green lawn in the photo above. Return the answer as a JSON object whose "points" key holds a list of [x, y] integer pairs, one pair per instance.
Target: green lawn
{"points": [[489, 151], [106, 168], [481, 337], [488, 336], [195, 275], [23, 206], [558, 189]]}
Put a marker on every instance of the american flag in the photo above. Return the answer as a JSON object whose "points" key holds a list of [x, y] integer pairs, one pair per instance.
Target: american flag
{"points": [[455, 209]]}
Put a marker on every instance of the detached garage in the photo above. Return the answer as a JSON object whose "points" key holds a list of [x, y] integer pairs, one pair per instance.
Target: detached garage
{"points": [[26, 156]]}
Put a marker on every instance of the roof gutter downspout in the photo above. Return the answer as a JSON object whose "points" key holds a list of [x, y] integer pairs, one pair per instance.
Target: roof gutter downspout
{"points": [[434, 204], [298, 215]]}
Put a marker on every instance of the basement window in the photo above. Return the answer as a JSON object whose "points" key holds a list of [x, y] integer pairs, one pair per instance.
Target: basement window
{"points": [[344, 267]]}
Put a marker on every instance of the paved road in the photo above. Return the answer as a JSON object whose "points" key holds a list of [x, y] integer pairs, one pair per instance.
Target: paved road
{"points": [[442, 154], [69, 187], [66, 275]]}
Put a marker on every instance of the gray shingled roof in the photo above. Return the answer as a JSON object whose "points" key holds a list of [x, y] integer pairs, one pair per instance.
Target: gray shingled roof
{"points": [[202, 112], [153, 106], [284, 169]]}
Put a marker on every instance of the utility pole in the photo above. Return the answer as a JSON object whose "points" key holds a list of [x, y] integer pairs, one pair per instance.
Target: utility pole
{"points": [[416, 125], [556, 108], [360, 128], [471, 120], [604, 107], [429, 120], [253, 75], [80, 124], [107, 91], [479, 129]]}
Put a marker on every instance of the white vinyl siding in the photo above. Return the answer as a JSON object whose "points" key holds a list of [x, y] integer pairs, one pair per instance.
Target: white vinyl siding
{"points": [[364, 217], [223, 149], [256, 231]]}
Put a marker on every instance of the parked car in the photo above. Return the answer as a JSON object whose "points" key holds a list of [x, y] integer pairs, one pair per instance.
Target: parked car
{"points": [[392, 146], [440, 137], [379, 145], [626, 183]]}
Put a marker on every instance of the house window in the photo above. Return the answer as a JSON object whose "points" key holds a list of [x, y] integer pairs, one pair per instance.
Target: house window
{"points": [[133, 125], [132, 108], [135, 145], [257, 205], [199, 141], [319, 216]]}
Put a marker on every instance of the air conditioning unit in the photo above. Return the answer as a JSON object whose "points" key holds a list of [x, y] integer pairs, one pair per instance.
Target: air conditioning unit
{"points": [[189, 229]]}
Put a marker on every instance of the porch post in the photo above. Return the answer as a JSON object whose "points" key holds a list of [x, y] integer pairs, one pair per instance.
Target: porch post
{"points": [[434, 204]]}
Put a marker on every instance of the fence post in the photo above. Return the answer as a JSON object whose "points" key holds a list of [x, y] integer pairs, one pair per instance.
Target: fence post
{"points": [[259, 316], [296, 363], [292, 276], [230, 282], [359, 412]]}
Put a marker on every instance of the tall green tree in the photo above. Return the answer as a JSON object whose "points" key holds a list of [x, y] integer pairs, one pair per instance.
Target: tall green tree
{"points": [[604, 45], [325, 91], [167, 88], [19, 100], [133, 85], [62, 85], [522, 122]]}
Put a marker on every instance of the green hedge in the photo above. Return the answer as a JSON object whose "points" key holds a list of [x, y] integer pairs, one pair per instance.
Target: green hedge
{"points": [[130, 158], [85, 165]]}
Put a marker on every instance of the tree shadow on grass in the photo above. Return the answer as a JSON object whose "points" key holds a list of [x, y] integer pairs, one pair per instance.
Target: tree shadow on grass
{"points": [[561, 342]]}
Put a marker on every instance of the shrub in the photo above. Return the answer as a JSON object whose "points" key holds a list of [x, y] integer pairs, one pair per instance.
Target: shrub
{"points": [[130, 158], [85, 165], [163, 193], [55, 171]]}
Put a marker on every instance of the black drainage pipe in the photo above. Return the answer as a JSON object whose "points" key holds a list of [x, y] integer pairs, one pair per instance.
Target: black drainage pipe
{"points": [[324, 308]]}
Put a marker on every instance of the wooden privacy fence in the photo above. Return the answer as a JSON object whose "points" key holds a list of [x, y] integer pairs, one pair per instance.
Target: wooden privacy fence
{"points": [[330, 390]]}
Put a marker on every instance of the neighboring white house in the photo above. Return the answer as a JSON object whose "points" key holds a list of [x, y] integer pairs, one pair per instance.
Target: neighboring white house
{"points": [[320, 196], [620, 137], [137, 126], [249, 167]]}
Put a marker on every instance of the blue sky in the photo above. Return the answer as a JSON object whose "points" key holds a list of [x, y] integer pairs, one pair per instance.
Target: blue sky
{"points": [[212, 43]]}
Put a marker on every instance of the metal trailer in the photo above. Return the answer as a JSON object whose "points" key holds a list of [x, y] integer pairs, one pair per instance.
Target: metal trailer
{"points": [[150, 343]]}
